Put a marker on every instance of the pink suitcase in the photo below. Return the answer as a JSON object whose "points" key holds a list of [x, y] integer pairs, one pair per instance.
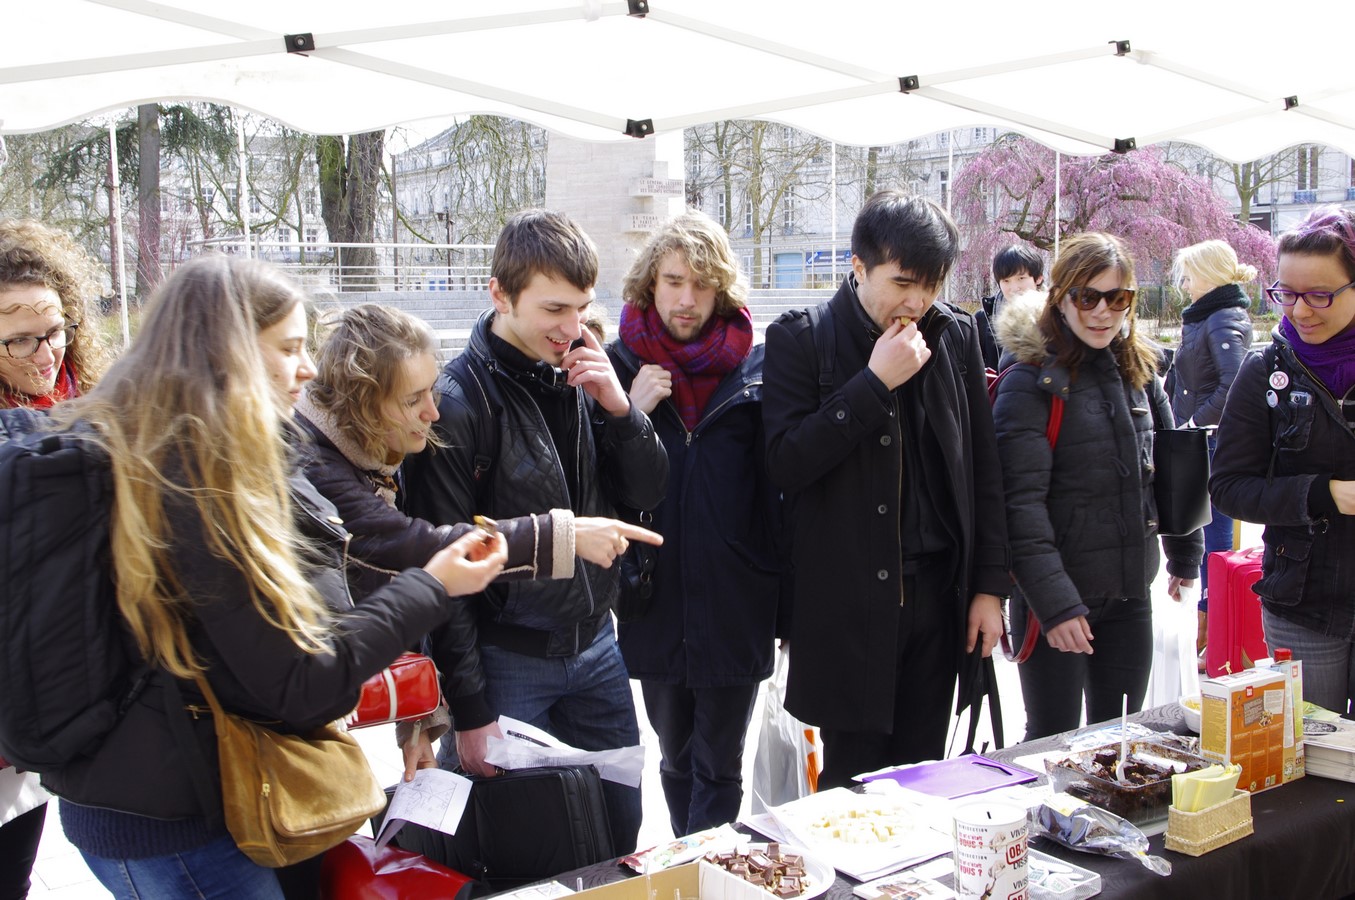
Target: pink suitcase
{"points": [[1234, 639]]}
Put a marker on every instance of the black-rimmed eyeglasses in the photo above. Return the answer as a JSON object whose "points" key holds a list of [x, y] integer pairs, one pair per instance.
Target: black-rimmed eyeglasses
{"points": [[1314, 299], [24, 347]]}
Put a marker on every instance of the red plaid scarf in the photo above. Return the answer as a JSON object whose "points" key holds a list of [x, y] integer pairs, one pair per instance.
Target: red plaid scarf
{"points": [[697, 366]]}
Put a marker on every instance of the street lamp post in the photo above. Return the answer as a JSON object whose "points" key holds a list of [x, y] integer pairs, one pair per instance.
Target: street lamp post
{"points": [[445, 218]]}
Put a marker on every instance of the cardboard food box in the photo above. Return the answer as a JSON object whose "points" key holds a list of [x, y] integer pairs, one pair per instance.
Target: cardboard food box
{"points": [[692, 881], [1242, 721]]}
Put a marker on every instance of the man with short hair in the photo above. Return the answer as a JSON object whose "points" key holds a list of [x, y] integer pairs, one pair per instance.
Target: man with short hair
{"points": [[533, 418], [685, 351], [1016, 269], [880, 433]]}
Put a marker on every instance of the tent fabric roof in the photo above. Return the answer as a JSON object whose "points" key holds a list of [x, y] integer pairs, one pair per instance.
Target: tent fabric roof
{"points": [[1240, 84]]}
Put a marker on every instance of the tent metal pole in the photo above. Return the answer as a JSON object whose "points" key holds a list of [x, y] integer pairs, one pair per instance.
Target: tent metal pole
{"points": [[832, 206], [244, 184], [1058, 198], [120, 257]]}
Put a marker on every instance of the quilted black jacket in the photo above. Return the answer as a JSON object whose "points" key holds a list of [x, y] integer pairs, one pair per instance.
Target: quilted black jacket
{"points": [[486, 411]]}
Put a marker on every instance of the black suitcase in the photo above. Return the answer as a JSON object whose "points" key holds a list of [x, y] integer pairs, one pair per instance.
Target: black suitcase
{"points": [[522, 826]]}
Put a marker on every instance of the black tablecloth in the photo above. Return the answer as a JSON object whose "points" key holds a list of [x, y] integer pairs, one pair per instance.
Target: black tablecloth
{"points": [[1303, 846]]}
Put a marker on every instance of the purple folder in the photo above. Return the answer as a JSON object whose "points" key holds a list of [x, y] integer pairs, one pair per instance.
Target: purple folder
{"points": [[958, 777]]}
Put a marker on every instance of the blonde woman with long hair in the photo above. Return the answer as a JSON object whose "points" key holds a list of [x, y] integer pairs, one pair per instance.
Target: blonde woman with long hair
{"points": [[227, 565]]}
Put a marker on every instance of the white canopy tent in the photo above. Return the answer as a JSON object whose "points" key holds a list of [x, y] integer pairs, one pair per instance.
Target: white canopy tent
{"points": [[1081, 77]]}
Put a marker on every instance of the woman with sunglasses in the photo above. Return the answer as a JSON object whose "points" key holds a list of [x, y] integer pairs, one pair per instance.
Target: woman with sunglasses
{"points": [[1080, 513], [46, 282], [1286, 456], [1216, 332]]}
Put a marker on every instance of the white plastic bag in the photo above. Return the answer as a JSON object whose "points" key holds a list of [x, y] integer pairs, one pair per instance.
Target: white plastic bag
{"points": [[786, 765]]}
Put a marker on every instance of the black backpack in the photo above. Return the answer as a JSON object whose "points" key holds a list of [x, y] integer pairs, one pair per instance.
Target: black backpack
{"points": [[66, 675]]}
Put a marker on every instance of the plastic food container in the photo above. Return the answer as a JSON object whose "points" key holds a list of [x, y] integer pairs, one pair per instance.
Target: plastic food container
{"points": [[1142, 804]]}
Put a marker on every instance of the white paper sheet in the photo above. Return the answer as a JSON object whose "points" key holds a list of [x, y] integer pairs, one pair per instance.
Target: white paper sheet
{"points": [[434, 799], [525, 746]]}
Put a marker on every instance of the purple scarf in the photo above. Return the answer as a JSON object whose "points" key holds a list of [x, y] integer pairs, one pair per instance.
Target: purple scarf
{"points": [[697, 366], [1332, 361]]}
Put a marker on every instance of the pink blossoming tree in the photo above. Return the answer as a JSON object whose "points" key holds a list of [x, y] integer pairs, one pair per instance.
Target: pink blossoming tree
{"points": [[1005, 195]]}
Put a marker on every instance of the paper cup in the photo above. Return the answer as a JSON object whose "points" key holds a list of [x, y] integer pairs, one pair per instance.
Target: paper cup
{"points": [[990, 852]]}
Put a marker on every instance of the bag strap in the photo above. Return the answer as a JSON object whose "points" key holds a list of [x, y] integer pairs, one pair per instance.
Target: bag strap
{"points": [[985, 684], [486, 446], [821, 329], [205, 779]]}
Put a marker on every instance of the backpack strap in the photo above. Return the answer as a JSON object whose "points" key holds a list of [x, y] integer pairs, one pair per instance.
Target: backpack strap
{"points": [[821, 329], [486, 446]]}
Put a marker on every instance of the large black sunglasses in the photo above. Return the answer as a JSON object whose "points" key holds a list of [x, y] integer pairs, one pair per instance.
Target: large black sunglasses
{"points": [[1086, 298]]}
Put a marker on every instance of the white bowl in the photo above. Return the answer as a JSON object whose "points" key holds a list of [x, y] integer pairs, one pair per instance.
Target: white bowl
{"points": [[1190, 708]]}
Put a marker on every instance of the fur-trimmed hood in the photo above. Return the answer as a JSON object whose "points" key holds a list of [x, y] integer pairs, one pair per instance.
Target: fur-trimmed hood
{"points": [[1018, 328]]}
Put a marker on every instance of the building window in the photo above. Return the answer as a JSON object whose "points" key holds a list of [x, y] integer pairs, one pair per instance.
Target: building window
{"points": [[255, 207], [312, 235], [788, 214], [980, 135], [747, 216], [722, 208], [310, 203], [1307, 169], [943, 139], [943, 178]]}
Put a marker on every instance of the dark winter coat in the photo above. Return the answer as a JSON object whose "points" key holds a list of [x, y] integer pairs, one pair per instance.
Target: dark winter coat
{"points": [[1215, 335], [718, 580], [619, 460], [1081, 519], [840, 463], [254, 668], [386, 541], [1273, 465]]}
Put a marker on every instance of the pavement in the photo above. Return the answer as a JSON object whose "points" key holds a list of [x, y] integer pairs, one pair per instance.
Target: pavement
{"points": [[61, 874]]}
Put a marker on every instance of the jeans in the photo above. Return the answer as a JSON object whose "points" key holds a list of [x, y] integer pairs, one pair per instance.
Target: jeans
{"points": [[701, 733], [1328, 663], [583, 700], [19, 839], [217, 869], [1054, 684]]}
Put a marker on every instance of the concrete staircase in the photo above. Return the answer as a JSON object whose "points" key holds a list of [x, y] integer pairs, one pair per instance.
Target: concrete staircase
{"points": [[453, 313]]}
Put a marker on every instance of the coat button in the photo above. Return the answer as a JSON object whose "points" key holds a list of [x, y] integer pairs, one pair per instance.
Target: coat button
{"points": [[841, 414], [1048, 380], [882, 509], [334, 520], [883, 575], [886, 440]]}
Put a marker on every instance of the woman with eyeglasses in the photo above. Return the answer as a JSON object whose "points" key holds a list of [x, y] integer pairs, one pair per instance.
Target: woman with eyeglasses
{"points": [[1286, 456], [1216, 333], [46, 282], [1081, 517]]}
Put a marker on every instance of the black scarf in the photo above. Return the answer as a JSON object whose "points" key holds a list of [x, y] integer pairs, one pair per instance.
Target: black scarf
{"points": [[1221, 297]]}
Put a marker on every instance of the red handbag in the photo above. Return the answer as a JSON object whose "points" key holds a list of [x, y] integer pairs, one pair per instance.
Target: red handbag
{"points": [[357, 870], [408, 688]]}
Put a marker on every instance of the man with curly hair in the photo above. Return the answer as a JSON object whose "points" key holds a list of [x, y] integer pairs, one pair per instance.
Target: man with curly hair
{"points": [[685, 353]]}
